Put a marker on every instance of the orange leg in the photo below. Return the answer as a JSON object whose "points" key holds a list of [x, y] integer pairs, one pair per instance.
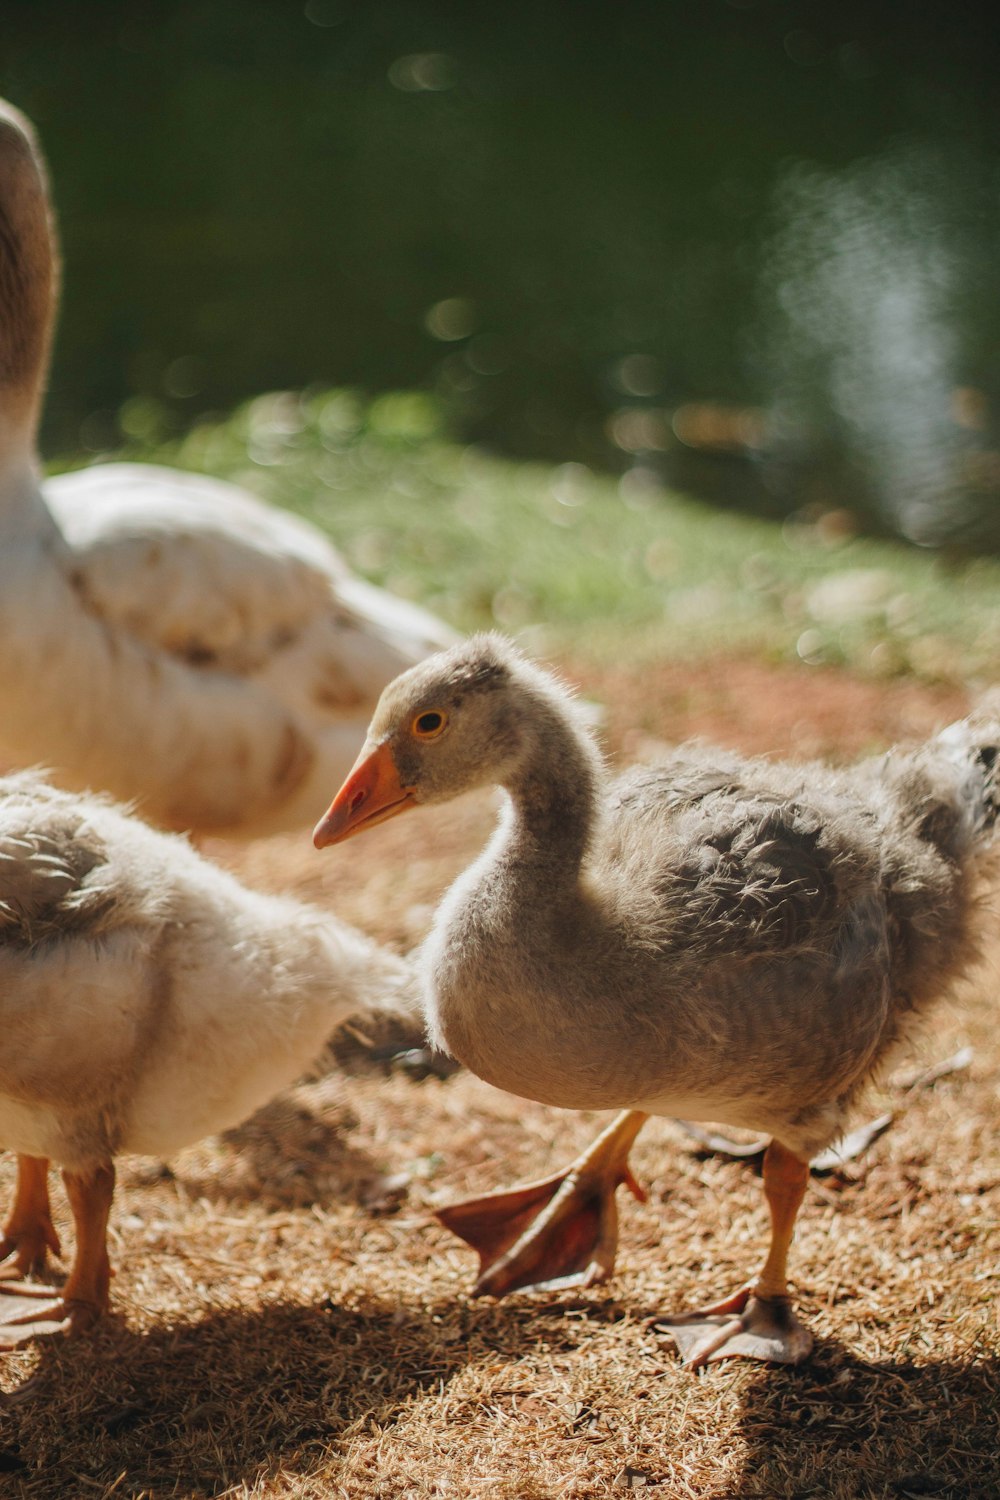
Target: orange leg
{"points": [[758, 1321], [85, 1295], [29, 1232], [786, 1177], [560, 1232]]}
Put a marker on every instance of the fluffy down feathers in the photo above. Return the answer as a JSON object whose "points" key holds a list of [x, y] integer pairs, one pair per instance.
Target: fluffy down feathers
{"points": [[146, 997], [717, 938]]}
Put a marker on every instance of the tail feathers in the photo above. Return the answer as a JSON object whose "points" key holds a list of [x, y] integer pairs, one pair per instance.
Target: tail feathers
{"points": [[972, 748]]}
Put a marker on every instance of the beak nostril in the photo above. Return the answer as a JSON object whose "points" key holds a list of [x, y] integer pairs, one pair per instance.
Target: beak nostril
{"points": [[371, 793]]}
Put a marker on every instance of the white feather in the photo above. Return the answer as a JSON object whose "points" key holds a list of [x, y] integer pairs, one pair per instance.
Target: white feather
{"points": [[147, 998]]}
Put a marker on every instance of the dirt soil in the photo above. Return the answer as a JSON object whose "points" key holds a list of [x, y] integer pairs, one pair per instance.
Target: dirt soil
{"points": [[289, 1320]]}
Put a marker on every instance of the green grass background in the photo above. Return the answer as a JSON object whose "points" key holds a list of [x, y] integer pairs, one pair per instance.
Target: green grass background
{"points": [[566, 557]]}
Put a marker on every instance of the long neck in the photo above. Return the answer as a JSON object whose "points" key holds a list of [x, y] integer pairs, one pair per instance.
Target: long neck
{"points": [[553, 793], [494, 971], [28, 283]]}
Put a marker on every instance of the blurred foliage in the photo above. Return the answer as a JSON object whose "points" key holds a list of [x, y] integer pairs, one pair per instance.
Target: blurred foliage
{"points": [[750, 244], [571, 558]]}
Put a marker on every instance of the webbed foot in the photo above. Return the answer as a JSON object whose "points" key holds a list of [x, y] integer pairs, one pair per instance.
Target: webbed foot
{"points": [[743, 1326], [557, 1233], [31, 1310]]}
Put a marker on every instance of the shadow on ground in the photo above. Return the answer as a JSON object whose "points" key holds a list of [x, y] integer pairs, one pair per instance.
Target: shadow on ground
{"points": [[249, 1398], [197, 1409], [839, 1426]]}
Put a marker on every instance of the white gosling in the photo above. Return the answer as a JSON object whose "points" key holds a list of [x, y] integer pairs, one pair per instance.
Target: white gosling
{"points": [[147, 999]]}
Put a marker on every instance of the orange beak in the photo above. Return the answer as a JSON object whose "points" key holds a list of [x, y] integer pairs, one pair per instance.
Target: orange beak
{"points": [[371, 794]]}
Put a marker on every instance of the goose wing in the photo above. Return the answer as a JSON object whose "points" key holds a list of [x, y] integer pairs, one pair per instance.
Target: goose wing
{"points": [[202, 570]]}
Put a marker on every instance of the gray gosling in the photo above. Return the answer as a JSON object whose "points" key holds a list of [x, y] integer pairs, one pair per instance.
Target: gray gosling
{"points": [[714, 938]]}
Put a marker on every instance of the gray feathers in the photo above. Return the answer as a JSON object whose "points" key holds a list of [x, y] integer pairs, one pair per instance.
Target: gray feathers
{"points": [[53, 872], [717, 937]]}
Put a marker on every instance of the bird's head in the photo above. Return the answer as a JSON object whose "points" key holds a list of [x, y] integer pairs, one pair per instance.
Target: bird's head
{"points": [[456, 721]]}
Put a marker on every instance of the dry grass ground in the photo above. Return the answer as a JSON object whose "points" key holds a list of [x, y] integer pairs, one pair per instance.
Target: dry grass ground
{"points": [[290, 1321]]}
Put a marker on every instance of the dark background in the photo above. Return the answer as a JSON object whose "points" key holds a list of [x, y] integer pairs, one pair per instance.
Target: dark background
{"points": [[751, 245]]}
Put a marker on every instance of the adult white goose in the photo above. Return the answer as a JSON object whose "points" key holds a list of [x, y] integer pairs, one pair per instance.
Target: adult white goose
{"points": [[715, 938], [147, 999], [167, 637]]}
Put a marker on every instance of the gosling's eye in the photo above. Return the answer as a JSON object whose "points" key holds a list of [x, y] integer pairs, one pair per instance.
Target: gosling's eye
{"points": [[429, 725]]}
